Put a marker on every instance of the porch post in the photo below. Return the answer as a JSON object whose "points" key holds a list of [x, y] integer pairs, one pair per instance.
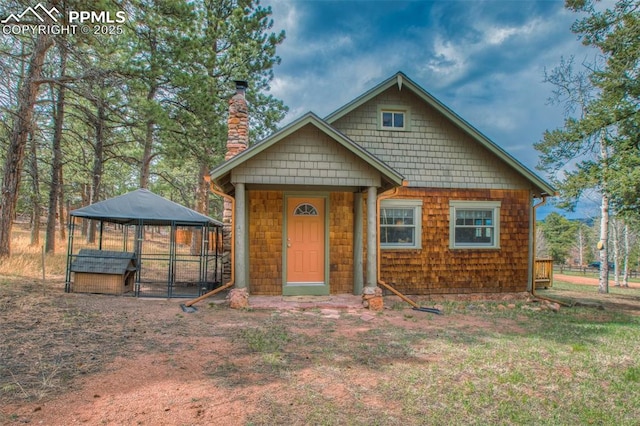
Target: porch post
{"points": [[240, 240], [358, 278], [372, 240]]}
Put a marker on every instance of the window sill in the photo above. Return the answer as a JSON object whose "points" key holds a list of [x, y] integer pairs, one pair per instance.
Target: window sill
{"points": [[390, 248], [473, 248]]}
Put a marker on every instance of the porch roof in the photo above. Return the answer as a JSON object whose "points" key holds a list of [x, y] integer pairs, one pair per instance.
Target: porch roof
{"points": [[389, 177]]}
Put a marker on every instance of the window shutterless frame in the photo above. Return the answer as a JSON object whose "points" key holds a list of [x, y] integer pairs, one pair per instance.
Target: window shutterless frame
{"points": [[474, 224], [400, 224], [393, 117]]}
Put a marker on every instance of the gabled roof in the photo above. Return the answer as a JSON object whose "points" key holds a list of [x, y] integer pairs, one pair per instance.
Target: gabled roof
{"points": [[144, 205], [387, 173], [403, 81]]}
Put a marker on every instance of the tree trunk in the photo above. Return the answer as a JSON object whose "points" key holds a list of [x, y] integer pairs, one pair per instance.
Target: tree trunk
{"points": [[627, 248], [27, 95], [86, 199], [147, 154], [581, 245], [61, 215], [603, 286], [98, 164], [202, 203], [56, 164], [616, 250], [35, 192]]}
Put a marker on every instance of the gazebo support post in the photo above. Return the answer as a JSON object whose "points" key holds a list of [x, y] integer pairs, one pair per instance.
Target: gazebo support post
{"points": [[137, 249], [67, 283], [172, 259], [100, 235]]}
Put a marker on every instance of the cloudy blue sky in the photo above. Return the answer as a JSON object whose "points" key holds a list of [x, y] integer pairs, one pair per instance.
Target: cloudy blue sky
{"points": [[486, 60]]}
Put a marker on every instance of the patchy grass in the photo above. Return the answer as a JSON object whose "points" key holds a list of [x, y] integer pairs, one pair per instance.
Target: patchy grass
{"points": [[268, 338], [619, 299], [480, 363], [27, 260]]}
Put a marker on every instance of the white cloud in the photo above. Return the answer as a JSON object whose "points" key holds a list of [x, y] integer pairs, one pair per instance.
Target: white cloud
{"points": [[487, 68], [285, 15], [449, 61], [498, 35]]}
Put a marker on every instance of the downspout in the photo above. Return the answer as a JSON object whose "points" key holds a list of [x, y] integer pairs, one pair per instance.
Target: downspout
{"points": [[533, 256], [384, 196], [233, 249]]}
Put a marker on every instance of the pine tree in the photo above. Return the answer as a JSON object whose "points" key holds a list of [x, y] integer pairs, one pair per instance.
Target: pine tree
{"points": [[602, 141]]}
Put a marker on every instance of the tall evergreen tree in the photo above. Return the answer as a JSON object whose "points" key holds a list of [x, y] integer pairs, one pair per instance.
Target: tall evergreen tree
{"points": [[22, 126], [602, 141], [144, 107], [229, 40], [560, 235]]}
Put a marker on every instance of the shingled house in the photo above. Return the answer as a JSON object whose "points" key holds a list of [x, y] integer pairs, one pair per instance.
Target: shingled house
{"points": [[394, 180]]}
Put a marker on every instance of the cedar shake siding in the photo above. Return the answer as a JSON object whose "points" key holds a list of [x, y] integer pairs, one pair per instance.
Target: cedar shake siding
{"points": [[265, 242], [308, 157], [433, 269], [341, 242], [432, 152], [438, 269]]}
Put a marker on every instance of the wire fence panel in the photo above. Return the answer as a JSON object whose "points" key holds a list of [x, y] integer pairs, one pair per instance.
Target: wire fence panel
{"points": [[179, 260]]}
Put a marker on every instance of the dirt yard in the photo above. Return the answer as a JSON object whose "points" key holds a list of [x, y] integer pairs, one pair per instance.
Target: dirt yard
{"points": [[95, 359], [587, 280]]}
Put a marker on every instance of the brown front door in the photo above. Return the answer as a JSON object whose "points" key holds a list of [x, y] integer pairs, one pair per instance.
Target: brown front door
{"points": [[305, 245]]}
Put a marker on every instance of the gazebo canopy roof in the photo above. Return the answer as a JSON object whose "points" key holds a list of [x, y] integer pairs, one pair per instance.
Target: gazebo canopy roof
{"points": [[143, 205]]}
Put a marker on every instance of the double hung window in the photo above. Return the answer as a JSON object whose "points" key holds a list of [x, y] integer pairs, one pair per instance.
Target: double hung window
{"points": [[401, 224], [474, 224]]}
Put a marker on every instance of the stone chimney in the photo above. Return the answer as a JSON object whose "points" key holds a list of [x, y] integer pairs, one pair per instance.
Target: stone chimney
{"points": [[237, 141], [238, 122]]}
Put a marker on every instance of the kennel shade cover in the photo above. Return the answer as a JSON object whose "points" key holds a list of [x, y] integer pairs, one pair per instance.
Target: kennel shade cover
{"points": [[142, 205]]}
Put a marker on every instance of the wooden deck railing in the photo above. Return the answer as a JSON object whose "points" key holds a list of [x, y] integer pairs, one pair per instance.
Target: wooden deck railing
{"points": [[543, 273]]}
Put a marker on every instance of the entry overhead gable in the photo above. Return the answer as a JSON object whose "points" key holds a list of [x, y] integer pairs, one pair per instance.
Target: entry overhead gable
{"points": [[306, 152], [403, 83]]}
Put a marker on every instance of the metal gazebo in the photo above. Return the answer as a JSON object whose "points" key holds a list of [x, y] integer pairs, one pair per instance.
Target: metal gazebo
{"points": [[144, 245]]}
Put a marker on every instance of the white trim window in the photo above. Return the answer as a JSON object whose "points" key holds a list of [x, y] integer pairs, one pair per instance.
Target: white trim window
{"points": [[474, 224], [401, 224], [393, 118]]}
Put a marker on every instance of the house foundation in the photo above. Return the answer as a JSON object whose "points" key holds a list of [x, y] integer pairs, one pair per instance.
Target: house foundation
{"points": [[238, 298], [372, 299]]}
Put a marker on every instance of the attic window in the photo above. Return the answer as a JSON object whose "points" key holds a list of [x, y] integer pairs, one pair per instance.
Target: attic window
{"points": [[393, 118]]}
